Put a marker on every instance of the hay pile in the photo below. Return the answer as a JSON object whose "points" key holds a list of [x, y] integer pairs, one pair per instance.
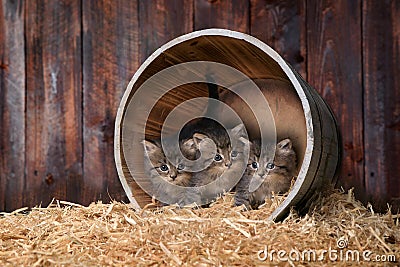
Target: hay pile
{"points": [[113, 234]]}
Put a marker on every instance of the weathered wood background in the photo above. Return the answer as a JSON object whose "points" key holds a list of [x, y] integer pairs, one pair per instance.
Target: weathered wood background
{"points": [[64, 66]]}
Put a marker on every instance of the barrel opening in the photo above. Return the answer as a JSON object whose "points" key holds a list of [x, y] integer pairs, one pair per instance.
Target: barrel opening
{"points": [[287, 94]]}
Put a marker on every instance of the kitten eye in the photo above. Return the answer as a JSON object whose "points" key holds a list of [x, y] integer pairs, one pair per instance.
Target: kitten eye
{"points": [[270, 166], [164, 168], [180, 166], [218, 157], [254, 165], [234, 154]]}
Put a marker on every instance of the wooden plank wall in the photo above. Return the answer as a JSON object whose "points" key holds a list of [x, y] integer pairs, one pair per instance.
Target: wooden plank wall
{"points": [[110, 45], [381, 80], [64, 66], [12, 105], [334, 68]]}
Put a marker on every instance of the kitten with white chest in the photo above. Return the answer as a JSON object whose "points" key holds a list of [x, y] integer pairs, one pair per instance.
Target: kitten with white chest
{"points": [[276, 177]]}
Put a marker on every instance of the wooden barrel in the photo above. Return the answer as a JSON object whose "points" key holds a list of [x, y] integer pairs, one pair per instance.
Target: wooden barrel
{"points": [[299, 111]]}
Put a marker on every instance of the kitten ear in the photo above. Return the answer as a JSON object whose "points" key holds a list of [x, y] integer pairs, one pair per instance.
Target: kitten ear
{"points": [[197, 138], [149, 146], [285, 144], [256, 147], [245, 141], [190, 145], [239, 131]]}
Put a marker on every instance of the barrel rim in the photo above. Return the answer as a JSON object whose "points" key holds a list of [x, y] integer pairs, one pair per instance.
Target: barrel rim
{"points": [[235, 35]]}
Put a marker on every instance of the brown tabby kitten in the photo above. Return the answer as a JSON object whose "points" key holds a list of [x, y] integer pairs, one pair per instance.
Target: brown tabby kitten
{"points": [[242, 188], [276, 176], [202, 128], [229, 178], [222, 160], [159, 169], [172, 171]]}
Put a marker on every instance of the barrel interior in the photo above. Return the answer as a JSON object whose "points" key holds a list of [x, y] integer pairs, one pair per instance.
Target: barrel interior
{"points": [[283, 99]]}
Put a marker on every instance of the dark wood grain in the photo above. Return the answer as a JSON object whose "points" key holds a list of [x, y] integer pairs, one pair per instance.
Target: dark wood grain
{"points": [[110, 58], [161, 21], [231, 15], [334, 69], [64, 66], [53, 113], [12, 104], [281, 25], [381, 54]]}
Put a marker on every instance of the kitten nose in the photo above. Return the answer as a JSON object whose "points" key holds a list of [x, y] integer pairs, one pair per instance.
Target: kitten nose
{"points": [[173, 176], [228, 163], [261, 174]]}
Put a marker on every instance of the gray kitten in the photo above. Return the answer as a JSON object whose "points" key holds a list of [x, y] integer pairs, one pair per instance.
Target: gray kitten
{"points": [[276, 176], [160, 169]]}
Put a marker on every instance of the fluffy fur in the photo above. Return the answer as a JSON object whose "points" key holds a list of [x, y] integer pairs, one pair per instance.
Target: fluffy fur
{"points": [[222, 160], [275, 178]]}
